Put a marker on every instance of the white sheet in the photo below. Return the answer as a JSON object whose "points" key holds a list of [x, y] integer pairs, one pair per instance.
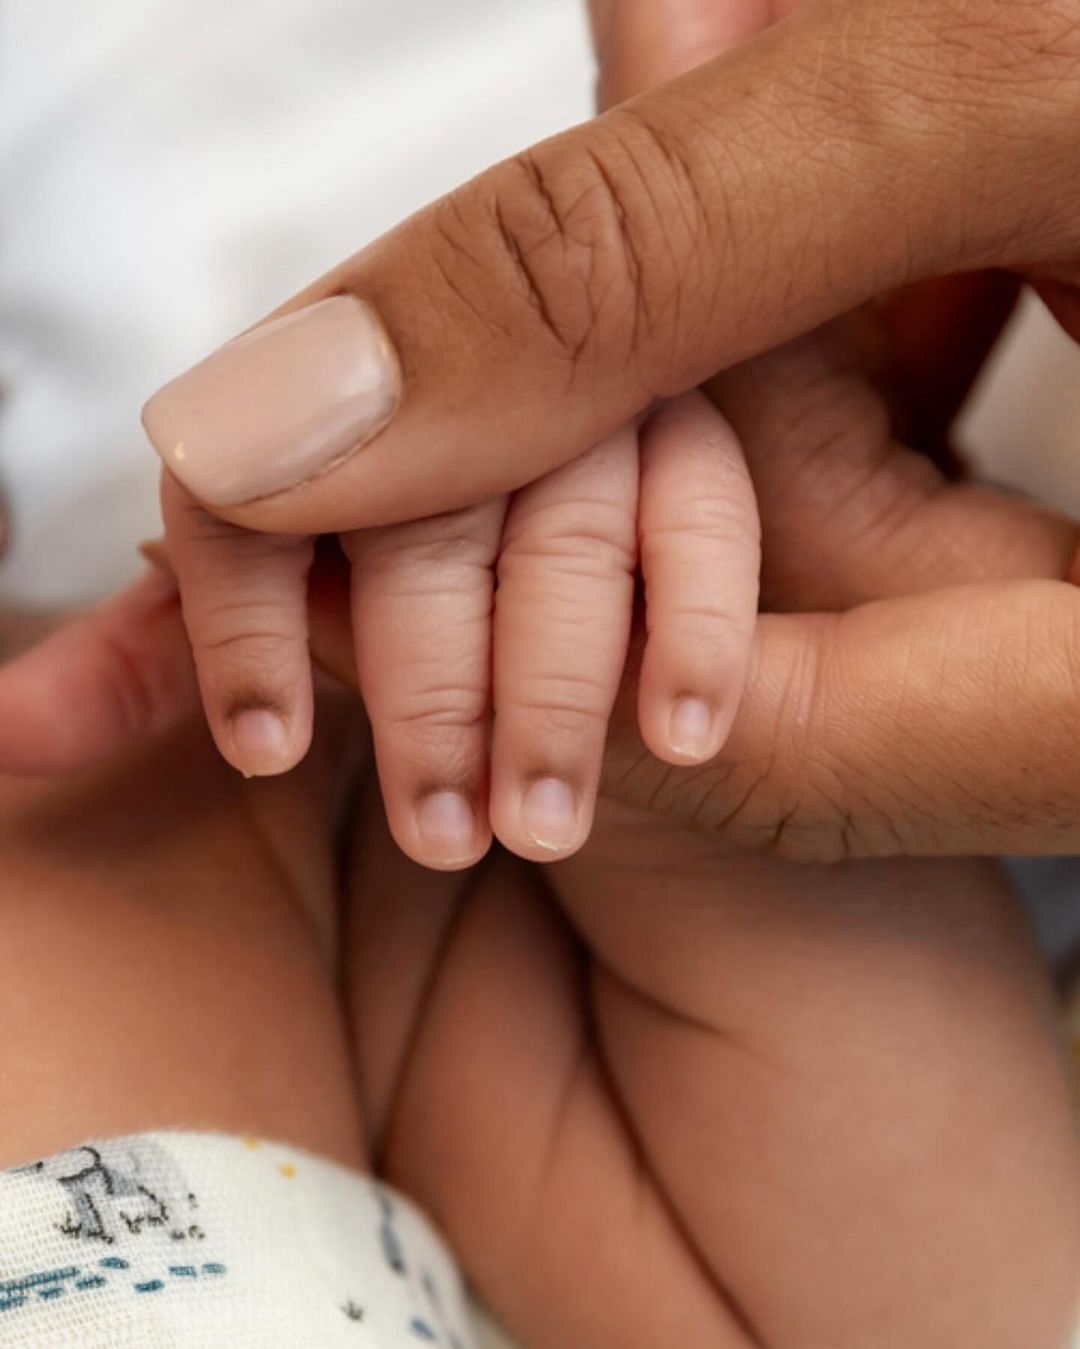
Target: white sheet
{"points": [[172, 168]]}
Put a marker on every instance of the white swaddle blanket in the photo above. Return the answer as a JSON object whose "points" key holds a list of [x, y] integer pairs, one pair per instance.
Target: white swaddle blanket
{"points": [[187, 1240]]}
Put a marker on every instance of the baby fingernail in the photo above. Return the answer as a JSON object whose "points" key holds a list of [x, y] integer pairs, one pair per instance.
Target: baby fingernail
{"points": [[549, 814], [690, 729], [447, 827], [260, 742], [279, 404]]}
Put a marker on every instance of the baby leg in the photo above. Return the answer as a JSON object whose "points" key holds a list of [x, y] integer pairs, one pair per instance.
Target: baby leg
{"points": [[763, 1105], [176, 1054], [167, 957]]}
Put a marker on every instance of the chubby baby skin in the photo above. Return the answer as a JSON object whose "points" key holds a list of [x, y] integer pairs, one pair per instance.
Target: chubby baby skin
{"points": [[657, 1095], [490, 642]]}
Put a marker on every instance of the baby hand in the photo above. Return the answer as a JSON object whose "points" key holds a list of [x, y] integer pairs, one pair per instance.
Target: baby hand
{"points": [[490, 642]]}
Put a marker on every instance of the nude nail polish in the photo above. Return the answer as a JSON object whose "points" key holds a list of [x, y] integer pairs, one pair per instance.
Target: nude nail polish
{"points": [[278, 405]]}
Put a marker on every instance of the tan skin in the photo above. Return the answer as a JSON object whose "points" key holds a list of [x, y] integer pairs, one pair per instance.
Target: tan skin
{"points": [[623, 1084], [968, 742], [636, 1090], [909, 712], [898, 727], [854, 147], [651, 1064]]}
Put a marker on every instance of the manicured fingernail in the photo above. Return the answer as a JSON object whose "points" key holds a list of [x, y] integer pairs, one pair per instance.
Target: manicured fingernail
{"points": [[690, 729], [278, 405], [447, 828], [260, 743], [549, 814]]}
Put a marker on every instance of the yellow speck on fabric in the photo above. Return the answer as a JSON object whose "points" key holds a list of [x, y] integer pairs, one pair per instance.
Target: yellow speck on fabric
{"points": [[252, 1142], [287, 1170]]}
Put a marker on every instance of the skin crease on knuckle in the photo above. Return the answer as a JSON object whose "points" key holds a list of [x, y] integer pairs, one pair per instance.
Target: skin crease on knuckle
{"points": [[587, 247], [799, 790], [465, 538], [757, 794]]}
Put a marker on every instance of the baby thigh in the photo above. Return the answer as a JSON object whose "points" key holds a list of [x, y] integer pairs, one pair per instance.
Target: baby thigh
{"points": [[167, 955], [849, 1081]]}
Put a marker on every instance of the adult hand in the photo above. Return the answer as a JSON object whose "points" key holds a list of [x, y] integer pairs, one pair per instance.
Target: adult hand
{"points": [[893, 733], [938, 724], [946, 723], [856, 145]]}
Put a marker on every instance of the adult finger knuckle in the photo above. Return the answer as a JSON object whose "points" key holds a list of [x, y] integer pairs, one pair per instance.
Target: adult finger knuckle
{"points": [[828, 412], [575, 228], [564, 227], [783, 794]]}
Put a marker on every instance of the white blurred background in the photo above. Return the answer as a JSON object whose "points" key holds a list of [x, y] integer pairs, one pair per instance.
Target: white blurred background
{"points": [[171, 169]]}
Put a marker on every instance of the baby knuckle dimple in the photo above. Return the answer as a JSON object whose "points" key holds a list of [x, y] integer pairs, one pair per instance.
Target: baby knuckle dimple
{"points": [[431, 708], [239, 631], [712, 519], [565, 558], [419, 581], [467, 537], [266, 650], [560, 703], [709, 635], [586, 537]]}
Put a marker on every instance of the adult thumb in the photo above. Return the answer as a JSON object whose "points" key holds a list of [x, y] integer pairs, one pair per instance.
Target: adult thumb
{"points": [[518, 320]]}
